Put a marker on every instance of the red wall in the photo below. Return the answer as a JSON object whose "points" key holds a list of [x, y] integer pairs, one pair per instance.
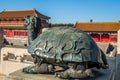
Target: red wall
{"points": [[97, 37], [104, 37], [113, 38], [13, 33]]}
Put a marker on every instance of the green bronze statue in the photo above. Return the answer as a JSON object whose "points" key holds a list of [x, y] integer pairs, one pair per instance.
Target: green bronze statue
{"points": [[33, 24], [67, 47]]}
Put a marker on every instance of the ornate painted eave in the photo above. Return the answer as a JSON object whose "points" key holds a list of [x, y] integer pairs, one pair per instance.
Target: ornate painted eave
{"points": [[12, 26]]}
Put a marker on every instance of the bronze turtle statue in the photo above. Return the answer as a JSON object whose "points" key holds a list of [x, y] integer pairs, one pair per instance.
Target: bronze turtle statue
{"points": [[70, 48]]}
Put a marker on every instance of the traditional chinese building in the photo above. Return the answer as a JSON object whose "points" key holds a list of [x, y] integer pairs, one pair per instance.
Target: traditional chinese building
{"points": [[100, 31], [12, 23]]}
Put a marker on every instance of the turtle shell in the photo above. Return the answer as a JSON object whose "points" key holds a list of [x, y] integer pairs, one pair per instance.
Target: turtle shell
{"points": [[66, 44]]}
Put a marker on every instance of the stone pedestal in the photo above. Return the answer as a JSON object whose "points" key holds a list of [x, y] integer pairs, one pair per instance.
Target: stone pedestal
{"points": [[117, 67], [117, 72], [118, 42], [19, 75]]}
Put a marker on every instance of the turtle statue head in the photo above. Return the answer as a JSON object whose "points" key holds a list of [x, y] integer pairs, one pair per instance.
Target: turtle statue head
{"points": [[33, 25], [30, 21]]}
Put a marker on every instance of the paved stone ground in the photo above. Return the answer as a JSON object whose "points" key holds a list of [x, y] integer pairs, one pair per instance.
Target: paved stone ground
{"points": [[2, 76], [19, 75], [102, 74]]}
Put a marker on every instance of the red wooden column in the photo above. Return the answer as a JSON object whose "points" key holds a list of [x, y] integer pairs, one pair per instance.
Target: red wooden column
{"points": [[100, 37]]}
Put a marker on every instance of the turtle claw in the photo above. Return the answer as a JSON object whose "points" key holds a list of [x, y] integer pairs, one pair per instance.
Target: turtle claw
{"points": [[60, 75], [30, 70], [89, 73], [57, 75]]}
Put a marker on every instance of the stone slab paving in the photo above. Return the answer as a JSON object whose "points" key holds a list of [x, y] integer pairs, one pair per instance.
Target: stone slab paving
{"points": [[19, 75]]}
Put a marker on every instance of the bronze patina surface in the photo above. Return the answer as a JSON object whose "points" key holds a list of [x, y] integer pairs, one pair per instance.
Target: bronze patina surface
{"points": [[67, 47]]}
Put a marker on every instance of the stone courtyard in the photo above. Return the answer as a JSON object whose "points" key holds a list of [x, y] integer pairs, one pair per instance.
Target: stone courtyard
{"points": [[9, 66]]}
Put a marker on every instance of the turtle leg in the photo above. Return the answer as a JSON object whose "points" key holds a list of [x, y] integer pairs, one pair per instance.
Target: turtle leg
{"points": [[39, 67], [43, 68], [72, 73]]}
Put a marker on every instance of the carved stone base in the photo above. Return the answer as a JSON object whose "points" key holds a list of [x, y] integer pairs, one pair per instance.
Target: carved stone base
{"points": [[19, 75]]}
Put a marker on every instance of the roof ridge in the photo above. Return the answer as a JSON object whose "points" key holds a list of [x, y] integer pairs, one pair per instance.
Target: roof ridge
{"points": [[20, 10], [96, 22], [14, 13], [35, 11]]}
